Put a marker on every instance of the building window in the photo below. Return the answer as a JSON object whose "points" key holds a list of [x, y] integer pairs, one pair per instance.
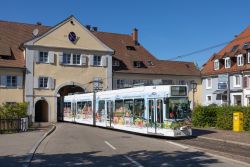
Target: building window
{"points": [[216, 64], [227, 62], [248, 56], [167, 82], [130, 48], [240, 60], [234, 48], [209, 83], [116, 63], [120, 83], [209, 99], [11, 81], [246, 45], [150, 63], [66, 58], [43, 57], [97, 60], [182, 82], [137, 64], [43, 82], [76, 59], [237, 81]]}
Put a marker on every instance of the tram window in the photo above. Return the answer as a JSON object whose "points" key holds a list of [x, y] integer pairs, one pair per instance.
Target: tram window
{"points": [[80, 106], [139, 108], [67, 107], [159, 111], [119, 108], [85, 107], [101, 108], [128, 107]]}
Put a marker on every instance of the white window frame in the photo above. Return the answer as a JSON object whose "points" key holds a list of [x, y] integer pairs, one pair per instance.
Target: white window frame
{"points": [[76, 58], [44, 84], [66, 57], [209, 102], [10, 81], [235, 81], [248, 56], [207, 85], [240, 60], [216, 64], [97, 60], [227, 62], [43, 57]]}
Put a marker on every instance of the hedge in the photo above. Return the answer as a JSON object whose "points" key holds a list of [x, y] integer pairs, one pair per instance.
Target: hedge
{"points": [[220, 117], [13, 110]]}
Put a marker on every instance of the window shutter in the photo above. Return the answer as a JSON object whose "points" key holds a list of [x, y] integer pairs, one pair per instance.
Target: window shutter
{"points": [[36, 82], [91, 60], [83, 59], [51, 56], [19, 81], [51, 83], [3, 80], [36, 56], [104, 61], [60, 58]]}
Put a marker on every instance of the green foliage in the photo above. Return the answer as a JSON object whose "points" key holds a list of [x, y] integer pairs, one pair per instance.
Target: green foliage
{"points": [[220, 117], [15, 110]]}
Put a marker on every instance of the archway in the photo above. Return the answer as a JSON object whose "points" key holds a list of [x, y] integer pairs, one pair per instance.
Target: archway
{"points": [[41, 111], [65, 90]]}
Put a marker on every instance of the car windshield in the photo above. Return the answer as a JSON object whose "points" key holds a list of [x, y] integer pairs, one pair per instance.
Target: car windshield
{"points": [[178, 108]]}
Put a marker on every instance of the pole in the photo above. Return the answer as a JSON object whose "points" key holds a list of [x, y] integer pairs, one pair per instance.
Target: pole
{"points": [[94, 106], [228, 89], [193, 99]]}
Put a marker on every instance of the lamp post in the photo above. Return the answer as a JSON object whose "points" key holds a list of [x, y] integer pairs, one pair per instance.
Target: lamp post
{"points": [[194, 88]]}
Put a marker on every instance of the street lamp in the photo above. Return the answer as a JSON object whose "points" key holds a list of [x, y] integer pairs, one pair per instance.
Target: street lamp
{"points": [[194, 88]]}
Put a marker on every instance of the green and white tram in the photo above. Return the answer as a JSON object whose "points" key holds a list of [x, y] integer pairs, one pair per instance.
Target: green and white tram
{"points": [[158, 110]]}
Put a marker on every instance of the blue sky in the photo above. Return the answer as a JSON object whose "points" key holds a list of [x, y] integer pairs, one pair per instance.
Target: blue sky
{"points": [[167, 28]]}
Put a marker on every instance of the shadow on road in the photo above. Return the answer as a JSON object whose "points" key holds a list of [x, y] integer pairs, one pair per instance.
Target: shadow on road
{"points": [[145, 158]]}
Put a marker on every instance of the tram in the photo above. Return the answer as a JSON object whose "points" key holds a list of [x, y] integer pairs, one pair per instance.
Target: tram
{"points": [[156, 110]]}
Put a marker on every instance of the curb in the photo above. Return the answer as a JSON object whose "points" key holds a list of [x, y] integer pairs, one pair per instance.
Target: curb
{"points": [[226, 141], [31, 153]]}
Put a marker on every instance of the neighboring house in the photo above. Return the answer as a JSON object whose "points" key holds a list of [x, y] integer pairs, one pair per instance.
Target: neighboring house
{"points": [[230, 66], [41, 64]]}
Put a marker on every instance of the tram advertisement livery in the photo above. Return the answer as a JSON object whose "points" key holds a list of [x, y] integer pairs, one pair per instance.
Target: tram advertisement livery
{"points": [[160, 110]]}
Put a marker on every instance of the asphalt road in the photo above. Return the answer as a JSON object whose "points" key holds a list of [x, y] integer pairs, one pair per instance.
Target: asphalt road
{"points": [[79, 145]]}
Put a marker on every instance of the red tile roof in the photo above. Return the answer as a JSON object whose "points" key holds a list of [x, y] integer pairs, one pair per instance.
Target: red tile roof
{"points": [[241, 39]]}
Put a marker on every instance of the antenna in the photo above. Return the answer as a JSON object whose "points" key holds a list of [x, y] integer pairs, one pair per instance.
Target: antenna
{"points": [[35, 32]]}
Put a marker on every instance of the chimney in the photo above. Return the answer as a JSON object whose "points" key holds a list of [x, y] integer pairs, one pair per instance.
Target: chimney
{"points": [[39, 23], [135, 36], [94, 28], [88, 26]]}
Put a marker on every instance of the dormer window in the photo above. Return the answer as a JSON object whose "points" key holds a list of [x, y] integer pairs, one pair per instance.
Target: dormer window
{"points": [[246, 45], [234, 48], [138, 64], [240, 60], [116, 63], [216, 64], [130, 48], [227, 62], [150, 63]]}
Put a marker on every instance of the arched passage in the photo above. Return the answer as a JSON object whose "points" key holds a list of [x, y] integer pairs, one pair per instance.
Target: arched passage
{"points": [[65, 90], [41, 111]]}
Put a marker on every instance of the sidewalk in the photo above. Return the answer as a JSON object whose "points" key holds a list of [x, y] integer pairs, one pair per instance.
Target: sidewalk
{"points": [[15, 147], [242, 138]]}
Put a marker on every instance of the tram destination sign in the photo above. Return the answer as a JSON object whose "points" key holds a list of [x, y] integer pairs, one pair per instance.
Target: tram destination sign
{"points": [[178, 91]]}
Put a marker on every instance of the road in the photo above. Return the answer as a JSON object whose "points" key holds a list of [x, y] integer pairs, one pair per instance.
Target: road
{"points": [[79, 145]]}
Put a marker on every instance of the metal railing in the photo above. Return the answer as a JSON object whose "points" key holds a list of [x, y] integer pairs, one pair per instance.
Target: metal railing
{"points": [[14, 125]]}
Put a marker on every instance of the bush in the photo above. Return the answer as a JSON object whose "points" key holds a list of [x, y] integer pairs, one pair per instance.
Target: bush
{"points": [[11, 111], [220, 117]]}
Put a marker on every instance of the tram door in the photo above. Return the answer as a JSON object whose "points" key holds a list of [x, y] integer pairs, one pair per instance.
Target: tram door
{"points": [[73, 110], [109, 115], [155, 115]]}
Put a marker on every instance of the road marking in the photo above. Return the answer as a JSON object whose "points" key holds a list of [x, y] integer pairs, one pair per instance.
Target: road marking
{"points": [[110, 145], [133, 161], [179, 145]]}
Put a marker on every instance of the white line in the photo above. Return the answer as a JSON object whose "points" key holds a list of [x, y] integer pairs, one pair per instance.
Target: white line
{"points": [[110, 145], [180, 145], [133, 161]]}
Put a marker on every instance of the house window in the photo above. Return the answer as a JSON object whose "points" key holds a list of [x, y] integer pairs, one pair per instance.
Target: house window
{"points": [[130, 48], [227, 62], [116, 63], [234, 48], [150, 63], [246, 45], [66, 58], [209, 99], [11, 81], [43, 82], [167, 82], [182, 82], [209, 83], [120, 83], [43, 57], [240, 60], [237, 81], [137, 64], [97, 60], [248, 56], [216, 64], [76, 59]]}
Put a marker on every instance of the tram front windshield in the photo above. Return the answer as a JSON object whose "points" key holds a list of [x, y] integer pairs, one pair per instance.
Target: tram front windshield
{"points": [[178, 108]]}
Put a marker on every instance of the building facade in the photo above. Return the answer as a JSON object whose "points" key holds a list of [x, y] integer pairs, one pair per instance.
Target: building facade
{"points": [[41, 64], [225, 76]]}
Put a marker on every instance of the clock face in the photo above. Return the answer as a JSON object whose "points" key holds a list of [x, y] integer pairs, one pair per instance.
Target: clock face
{"points": [[72, 36]]}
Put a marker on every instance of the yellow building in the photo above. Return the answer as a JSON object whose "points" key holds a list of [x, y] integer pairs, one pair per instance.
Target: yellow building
{"points": [[41, 64]]}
